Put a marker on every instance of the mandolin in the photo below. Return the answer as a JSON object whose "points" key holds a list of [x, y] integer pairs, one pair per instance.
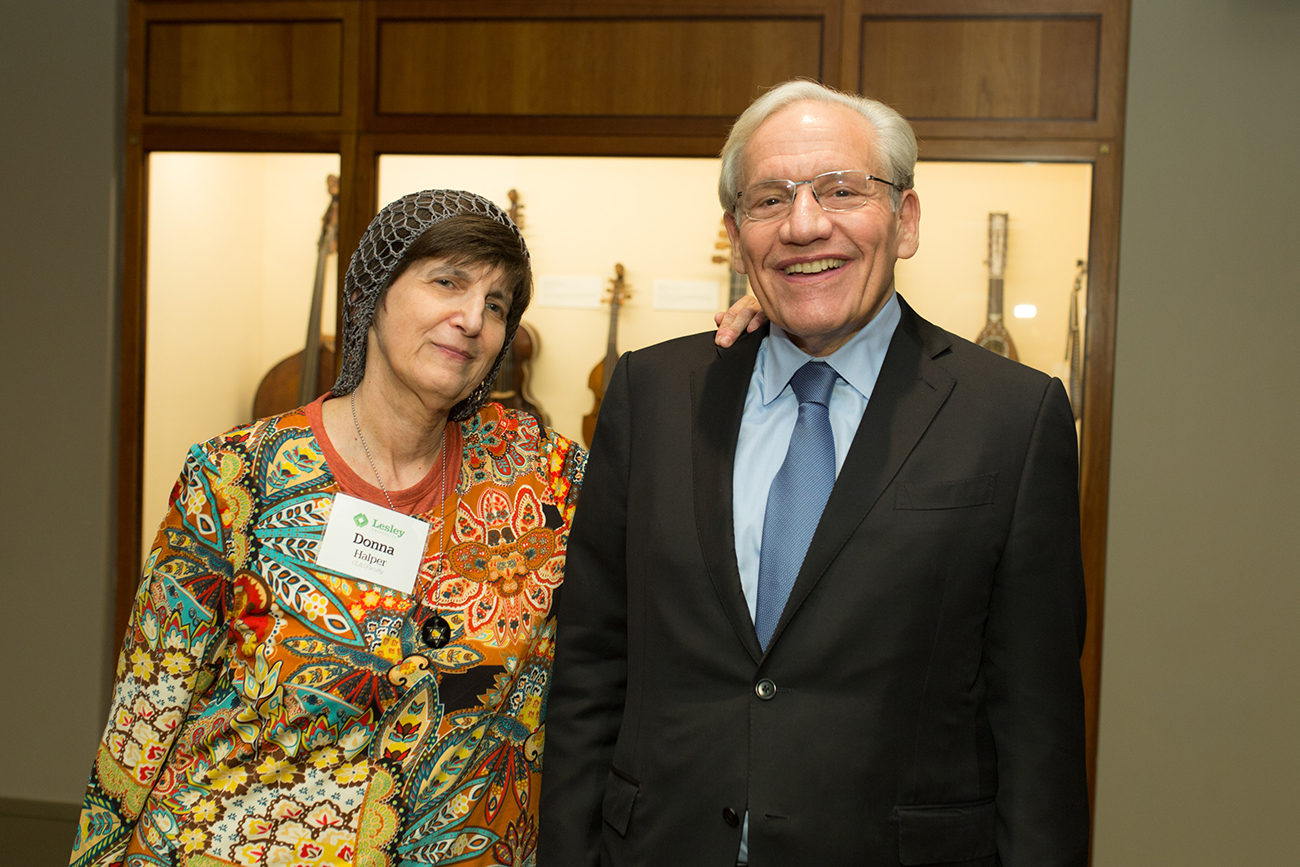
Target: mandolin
{"points": [[295, 381], [513, 386], [994, 337], [598, 381]]}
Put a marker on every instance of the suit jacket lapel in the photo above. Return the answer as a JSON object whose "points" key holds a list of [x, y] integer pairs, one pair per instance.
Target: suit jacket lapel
{"points": [[909, 392], [718, 394]]}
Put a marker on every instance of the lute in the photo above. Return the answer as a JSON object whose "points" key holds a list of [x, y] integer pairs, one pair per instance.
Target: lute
{"points": [[995, 337]]}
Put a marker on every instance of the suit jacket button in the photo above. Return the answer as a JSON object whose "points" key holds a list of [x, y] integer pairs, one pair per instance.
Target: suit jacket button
{"points": [[765, 689], [730, 817]]}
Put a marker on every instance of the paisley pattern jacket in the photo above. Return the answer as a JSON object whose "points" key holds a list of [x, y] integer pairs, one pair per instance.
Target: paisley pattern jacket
{"points": [[267, 710]]}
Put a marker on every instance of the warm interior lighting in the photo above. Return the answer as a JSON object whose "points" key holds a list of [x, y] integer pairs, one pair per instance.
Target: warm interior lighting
{"points": [[1025, 311]]}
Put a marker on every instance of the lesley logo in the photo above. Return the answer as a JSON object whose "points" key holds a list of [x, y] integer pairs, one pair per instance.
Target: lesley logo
{"points": [[361, 520], [366, 541]]}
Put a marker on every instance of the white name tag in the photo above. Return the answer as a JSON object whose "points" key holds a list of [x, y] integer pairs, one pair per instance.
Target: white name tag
{"points": [[373, 544]]}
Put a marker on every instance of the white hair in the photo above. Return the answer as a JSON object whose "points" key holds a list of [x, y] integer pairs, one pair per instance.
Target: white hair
{"points": [[893, 134]]}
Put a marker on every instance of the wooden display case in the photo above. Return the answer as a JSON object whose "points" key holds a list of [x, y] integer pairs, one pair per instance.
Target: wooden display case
{"points": [[1016, 80]]}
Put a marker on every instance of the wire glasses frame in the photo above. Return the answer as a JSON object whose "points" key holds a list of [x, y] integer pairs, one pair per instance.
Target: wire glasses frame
{"points": [[834, 191]]}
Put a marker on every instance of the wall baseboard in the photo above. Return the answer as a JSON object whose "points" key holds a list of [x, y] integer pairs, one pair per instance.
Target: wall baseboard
{"points": [[22, 808], [36, 833]]}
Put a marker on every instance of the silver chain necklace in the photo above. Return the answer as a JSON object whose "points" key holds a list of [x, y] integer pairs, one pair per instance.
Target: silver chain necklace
{"points": [[352, 400], [436, 631]]}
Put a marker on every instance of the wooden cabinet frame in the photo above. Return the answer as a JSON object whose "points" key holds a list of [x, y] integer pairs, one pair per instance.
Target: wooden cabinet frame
{"points": [[360, 132]]}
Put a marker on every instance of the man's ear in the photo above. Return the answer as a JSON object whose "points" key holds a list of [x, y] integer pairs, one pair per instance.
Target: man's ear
{"points": [[733, 235], [909, 224]]}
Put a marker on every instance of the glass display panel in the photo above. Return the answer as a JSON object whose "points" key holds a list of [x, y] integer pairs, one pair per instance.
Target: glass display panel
{"points": [[232, 250], [231, 265], [1048, 207], [661, 219]]}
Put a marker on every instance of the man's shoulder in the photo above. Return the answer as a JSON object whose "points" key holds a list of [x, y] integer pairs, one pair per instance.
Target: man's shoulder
{"points": [[681, 356], [690, 349]]}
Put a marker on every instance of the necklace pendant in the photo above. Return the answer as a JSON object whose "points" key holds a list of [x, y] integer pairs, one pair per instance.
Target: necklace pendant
{"points": [[436, 632]]}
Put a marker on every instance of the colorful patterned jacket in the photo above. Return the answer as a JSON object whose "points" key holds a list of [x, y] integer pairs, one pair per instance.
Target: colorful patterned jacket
{"points": [[270, 711]]}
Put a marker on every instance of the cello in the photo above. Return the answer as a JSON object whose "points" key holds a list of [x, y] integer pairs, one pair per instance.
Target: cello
{"points": [[295, 381]]}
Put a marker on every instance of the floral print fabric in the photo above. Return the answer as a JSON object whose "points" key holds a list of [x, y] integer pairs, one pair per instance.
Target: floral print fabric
{"points": [[270, 711]]}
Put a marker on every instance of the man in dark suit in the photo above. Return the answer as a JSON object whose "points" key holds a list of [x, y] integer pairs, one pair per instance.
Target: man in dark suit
{"points": [[824, 598]]}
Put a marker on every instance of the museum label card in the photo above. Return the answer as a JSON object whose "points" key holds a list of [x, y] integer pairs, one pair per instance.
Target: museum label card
{"points": [[686, 295]]}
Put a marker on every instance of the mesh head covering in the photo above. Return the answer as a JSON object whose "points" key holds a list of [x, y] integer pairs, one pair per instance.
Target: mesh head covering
{"points": [[390, 234]]}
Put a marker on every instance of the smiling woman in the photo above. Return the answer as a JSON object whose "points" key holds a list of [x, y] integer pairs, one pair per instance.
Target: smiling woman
{"points": [[276, 702]]}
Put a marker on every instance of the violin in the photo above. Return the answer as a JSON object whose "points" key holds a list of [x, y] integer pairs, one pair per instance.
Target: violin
{"points": [[305, 375], [512, 387], [598, 381]]}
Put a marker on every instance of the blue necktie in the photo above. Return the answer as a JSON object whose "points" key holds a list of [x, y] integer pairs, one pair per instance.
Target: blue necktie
{"points": [[797, 496]]}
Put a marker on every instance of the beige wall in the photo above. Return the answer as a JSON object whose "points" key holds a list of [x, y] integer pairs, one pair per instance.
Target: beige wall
{"points": [[1200, 710], [1199, 749]]}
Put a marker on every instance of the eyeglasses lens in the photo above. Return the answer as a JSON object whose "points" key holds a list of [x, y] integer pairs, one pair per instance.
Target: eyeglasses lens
{"points": [[835, 191]]}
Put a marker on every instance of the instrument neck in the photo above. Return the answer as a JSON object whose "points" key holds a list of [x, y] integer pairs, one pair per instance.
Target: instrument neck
{"points": [[995, 297], [611, 345], [308, 385]]}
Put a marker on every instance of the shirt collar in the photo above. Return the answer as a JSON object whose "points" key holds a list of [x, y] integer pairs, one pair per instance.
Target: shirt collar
{"points": [[857, 362]]}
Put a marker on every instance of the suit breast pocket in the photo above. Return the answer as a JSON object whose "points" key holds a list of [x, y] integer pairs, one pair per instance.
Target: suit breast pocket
{"points": [[946, 834], [951, 494]]}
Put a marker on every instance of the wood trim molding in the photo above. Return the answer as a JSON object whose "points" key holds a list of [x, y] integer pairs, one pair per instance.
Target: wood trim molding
{"points": [[1111, 61], [130, 415], [1099, 368]]}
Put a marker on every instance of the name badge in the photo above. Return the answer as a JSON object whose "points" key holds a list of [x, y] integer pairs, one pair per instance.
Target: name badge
{"points": [[373, 544]]}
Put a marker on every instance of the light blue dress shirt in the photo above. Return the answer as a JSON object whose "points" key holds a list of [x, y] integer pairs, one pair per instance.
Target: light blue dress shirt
{"points": [[771, 410]]}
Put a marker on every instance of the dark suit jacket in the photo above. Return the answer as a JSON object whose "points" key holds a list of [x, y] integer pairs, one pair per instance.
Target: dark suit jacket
{"points": [[927, 704]]}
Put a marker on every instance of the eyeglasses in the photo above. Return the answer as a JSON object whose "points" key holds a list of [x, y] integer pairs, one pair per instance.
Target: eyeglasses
{"points": [[834, 191]]}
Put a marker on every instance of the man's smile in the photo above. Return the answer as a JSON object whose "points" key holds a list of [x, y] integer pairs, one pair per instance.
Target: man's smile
{"points": [[814, 267]]}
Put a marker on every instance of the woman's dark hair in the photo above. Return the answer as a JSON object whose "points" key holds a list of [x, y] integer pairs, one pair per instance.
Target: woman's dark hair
{"points": [[459, 227], [470, 239]]}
